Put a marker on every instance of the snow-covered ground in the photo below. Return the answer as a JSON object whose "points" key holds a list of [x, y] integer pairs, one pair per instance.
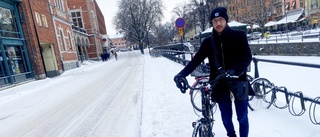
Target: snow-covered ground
{"points": [[136, 97]]}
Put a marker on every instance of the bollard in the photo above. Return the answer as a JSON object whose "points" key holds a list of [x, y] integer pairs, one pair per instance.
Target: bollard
{"points": [[256, 71]]}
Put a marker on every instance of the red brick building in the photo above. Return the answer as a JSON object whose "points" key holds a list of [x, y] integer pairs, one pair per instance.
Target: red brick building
{"points": [[63, 31], [118, 41], [86, 14], [41, 38]]}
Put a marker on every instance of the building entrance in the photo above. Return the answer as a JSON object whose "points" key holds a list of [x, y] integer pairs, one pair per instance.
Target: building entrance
{"points": [[14, 60]]}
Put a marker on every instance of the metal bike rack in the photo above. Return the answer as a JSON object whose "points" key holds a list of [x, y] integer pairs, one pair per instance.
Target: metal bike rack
{"points": [[290, 97]]}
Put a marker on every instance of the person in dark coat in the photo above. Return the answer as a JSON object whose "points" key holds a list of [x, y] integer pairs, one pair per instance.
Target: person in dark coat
{"points": [[234, 56]]}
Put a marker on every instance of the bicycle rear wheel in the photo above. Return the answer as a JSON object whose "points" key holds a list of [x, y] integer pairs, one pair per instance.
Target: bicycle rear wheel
{"points": [[263, 97]]}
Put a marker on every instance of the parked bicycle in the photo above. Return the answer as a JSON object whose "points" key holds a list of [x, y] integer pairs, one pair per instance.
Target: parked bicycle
{"points": [[203, 126], [265, 95]]}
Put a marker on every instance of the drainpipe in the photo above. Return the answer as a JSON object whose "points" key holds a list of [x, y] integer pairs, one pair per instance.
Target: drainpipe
{"points": [[35, 27], [55, 32], [32, 49], [96, 27]]}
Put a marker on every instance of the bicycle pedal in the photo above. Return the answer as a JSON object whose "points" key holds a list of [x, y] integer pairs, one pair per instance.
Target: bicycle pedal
{"points": [[194, 124]]}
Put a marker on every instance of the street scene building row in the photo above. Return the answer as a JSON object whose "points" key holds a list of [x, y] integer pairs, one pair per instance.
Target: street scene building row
{"points": [[44, 38]]}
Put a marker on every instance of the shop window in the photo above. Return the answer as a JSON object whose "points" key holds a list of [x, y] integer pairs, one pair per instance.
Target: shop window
{"points": [[15, 60], [8, 26]]}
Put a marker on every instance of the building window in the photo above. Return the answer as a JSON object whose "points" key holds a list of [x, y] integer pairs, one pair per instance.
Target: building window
{"points": [[38, 18], [44, 20], [62, 41], [294, 5], [287, 7], [314, 4], [77, 19], [59, 4], [8, 27], [70, 41], [301, 3]]}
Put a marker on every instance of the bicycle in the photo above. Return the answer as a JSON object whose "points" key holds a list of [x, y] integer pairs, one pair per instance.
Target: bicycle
{"points": [[195, 95], [203, 126], [265, 95]]}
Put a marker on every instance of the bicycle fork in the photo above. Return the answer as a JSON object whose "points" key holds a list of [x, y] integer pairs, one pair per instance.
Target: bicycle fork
{"points": [[203, 128]]}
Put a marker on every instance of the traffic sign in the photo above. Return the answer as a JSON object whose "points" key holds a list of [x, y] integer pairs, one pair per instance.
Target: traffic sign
{"points": [[180, 22], [180, 31]]}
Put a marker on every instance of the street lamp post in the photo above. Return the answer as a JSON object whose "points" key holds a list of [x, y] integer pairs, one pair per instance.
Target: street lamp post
{"points": [[203, 19], [203, 13], [287, 24]]}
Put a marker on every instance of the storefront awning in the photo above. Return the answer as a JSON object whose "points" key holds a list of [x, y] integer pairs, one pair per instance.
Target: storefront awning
{"points": [[291, 17], [270, 23]]}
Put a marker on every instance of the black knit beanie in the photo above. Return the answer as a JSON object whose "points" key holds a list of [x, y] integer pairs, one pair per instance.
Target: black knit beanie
{"points": [[219, 12]]}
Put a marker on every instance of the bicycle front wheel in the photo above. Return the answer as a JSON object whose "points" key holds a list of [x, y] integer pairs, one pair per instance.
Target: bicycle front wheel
{"points": [[195, 97], [263, 97], [202, 130]]}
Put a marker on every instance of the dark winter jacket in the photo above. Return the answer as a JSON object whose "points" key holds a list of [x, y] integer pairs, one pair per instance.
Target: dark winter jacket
{"points": [[233, 53]]}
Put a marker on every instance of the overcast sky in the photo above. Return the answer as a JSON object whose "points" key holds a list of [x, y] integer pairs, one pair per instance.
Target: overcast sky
{"points": [[109, 9]]}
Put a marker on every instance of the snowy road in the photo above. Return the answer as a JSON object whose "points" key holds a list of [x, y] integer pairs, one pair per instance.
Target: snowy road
{"points": [[136, 97], [91, 108]]}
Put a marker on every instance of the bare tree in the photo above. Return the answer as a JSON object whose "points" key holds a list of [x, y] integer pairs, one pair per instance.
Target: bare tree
{"points": [[257, 11], [136, 19], [164, 34], [203, 9]]}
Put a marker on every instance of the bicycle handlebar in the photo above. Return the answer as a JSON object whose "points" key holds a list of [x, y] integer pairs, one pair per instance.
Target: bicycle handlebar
{"points": [[212, 83]]}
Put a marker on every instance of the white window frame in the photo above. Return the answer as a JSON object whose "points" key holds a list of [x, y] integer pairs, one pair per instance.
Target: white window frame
{"points": [[60, 4], [44, 20], [38, 18], [77, 17], [63, 44], [70, 41]]}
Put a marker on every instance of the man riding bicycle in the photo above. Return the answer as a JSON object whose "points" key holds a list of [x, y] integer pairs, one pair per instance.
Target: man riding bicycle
{"points": [[230, 49]]}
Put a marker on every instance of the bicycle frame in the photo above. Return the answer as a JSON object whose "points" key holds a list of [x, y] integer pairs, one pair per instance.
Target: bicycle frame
{"points": [[204, 125], [206, 121]]}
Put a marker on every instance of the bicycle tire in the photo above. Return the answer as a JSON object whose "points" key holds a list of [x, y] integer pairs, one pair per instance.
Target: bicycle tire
{"points": [[195, 130], [202, 130], [263, 97], [195, 97]]}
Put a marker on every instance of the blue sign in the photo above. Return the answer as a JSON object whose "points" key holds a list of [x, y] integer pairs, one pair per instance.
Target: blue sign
{"points": [[180, 22]]}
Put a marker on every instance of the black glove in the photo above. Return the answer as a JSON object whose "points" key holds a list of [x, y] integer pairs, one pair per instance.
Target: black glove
{"points": [[180, 82], [231, 72]]}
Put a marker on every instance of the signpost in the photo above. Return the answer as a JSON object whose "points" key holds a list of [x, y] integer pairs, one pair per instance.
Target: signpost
{"points": [[180, 22]]}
